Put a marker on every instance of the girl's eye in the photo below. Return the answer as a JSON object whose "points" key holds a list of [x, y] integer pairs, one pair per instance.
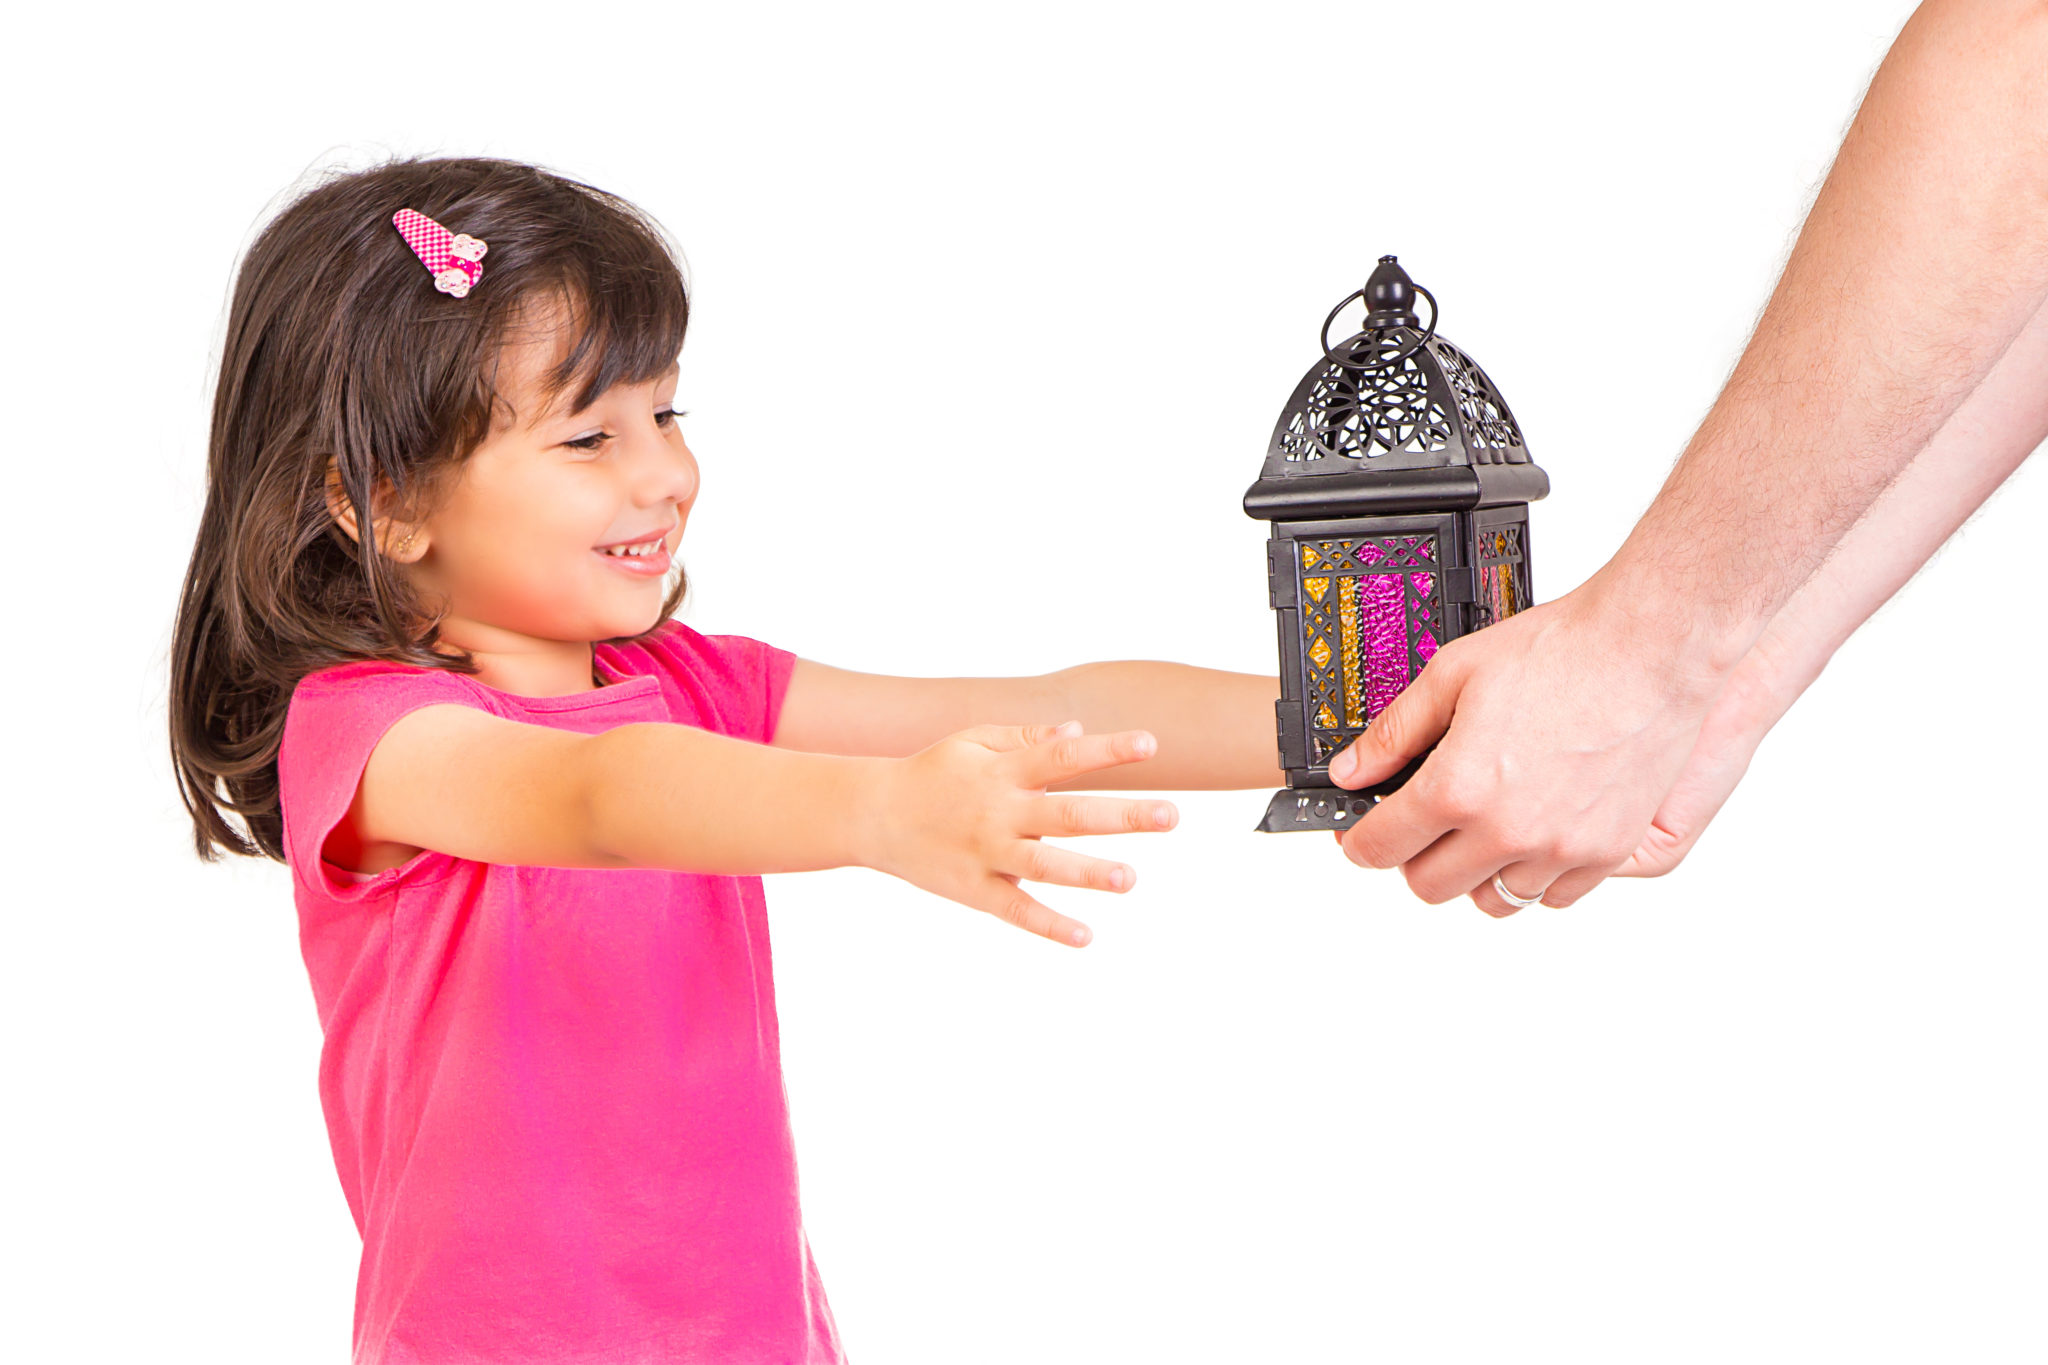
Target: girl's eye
{"points": [[664, 419]]}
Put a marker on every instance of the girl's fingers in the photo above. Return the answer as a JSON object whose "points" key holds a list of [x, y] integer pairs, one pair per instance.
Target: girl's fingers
{"points": [[1062, 814], [1036, 861], [1067, 754], [1009, 902], [1004, 738]]}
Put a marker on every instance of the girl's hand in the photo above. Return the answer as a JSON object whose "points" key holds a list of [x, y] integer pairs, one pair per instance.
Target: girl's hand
{"points": [[965, 818]]}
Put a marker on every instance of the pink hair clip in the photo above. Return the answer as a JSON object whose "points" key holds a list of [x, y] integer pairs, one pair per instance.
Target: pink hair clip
{"points": [[451, 257]]}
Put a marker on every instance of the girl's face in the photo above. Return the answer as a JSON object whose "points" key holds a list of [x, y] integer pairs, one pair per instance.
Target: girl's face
{"points": [[517, 549]]}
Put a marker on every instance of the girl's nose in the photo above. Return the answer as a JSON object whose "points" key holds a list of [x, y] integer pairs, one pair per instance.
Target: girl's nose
{"points": [[685, 476], [664, 470]]}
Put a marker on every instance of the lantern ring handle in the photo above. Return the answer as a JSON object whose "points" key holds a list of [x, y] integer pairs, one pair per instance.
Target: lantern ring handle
{"points": [[1384, 364]]}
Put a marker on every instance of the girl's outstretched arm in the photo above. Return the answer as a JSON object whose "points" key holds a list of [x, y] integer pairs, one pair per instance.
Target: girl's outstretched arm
{"points": [[965, 817], [1215, 728]]}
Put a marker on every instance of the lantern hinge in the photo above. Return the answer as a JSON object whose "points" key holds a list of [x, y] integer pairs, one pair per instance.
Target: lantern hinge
{"points": [[1459, 586], [1293, 740], [1280, 574]]}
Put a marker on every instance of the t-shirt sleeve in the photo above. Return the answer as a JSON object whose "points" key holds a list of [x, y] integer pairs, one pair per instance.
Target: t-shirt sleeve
{"points": [[332, 725], [748, 678]]}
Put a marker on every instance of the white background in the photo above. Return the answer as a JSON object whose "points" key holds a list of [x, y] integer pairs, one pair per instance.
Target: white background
{"points": [[995, 307]]}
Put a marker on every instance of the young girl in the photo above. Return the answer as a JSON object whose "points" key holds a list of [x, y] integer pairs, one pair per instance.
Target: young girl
{"points": [[425, 655]]}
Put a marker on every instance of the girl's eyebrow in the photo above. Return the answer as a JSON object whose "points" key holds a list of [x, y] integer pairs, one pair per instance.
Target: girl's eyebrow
{"points": [[559, 411]]}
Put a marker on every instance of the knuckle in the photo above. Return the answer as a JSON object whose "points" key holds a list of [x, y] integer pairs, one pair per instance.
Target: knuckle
{"points": [[1517, 838], [1588, 848], [1016, 910], [1443, 785], [1426, 890], [1073, 815], [1620, 849], [986, 834], [1037, 863], [1600, 852], [1359, 847], [1455, 801]]}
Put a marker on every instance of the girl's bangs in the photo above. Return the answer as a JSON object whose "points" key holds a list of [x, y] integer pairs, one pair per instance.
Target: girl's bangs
{"points": [[627, 308]]}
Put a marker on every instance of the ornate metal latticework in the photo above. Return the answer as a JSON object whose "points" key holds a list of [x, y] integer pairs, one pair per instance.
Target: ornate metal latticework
{"points": [[1371, 617], [1503, 571], [1488, 424], [1398, 486], [1395, 394], [1353, 410], [1360, 413]]}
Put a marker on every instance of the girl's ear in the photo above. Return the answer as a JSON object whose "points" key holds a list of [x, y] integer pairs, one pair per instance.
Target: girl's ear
{"points": [[402, 541]]}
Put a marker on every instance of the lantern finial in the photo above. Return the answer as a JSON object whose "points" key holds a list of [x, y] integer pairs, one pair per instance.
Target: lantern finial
{"points": [[1390, 294]]}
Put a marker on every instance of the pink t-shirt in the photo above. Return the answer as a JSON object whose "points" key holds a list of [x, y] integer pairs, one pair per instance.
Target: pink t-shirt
{"points": [[555, 1094]]}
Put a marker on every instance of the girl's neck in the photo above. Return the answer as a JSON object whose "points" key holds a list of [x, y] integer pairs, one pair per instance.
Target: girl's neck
{"points": [[522, 670]]}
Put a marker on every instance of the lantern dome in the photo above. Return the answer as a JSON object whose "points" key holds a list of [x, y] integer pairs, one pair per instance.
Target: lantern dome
{"points": [[1394, 415]]}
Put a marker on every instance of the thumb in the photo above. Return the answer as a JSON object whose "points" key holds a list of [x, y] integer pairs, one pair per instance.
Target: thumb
{"points": [[1411, 723]]}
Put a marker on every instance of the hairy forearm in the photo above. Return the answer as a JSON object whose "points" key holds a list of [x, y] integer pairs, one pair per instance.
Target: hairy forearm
{"points": [[1991, 434], [1919, 264], [1215, 728], [679, 797]]}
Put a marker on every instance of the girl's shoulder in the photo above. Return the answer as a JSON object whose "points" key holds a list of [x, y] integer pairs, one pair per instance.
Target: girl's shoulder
{"points": [[739, 679], [333, 723], [336, 714], [379, 683], [359, 670]]}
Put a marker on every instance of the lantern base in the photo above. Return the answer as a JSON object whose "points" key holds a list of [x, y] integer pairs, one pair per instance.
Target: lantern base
{"points": [[1303, 808]]}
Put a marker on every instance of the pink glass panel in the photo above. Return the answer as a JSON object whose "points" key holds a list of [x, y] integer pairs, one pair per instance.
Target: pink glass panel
{"points": [[1383, 607]]}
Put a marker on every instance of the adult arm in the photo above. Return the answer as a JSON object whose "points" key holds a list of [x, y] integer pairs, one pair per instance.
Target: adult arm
{"points": [[1920, 263], [1990, 436]]}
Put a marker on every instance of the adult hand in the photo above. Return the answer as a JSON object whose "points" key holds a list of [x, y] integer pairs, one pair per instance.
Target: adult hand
{"points": [[1749, 705], [1560, 733]]}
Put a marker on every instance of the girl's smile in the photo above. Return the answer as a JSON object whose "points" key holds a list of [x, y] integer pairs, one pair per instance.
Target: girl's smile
{"points": [[647, 556], [510, 549]]}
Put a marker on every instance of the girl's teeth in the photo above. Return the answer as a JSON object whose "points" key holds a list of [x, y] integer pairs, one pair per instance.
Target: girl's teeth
{"points": [[649, 548]]}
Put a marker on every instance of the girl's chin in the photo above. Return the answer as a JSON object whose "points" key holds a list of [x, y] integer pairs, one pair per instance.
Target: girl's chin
{"points": [[637, 619]]}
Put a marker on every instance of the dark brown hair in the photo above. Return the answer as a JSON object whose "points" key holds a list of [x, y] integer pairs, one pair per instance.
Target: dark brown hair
{"points": [[339, 349]]}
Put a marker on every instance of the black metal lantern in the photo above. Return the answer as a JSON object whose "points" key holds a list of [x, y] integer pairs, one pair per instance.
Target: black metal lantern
{"points": [[1399, 487]]}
